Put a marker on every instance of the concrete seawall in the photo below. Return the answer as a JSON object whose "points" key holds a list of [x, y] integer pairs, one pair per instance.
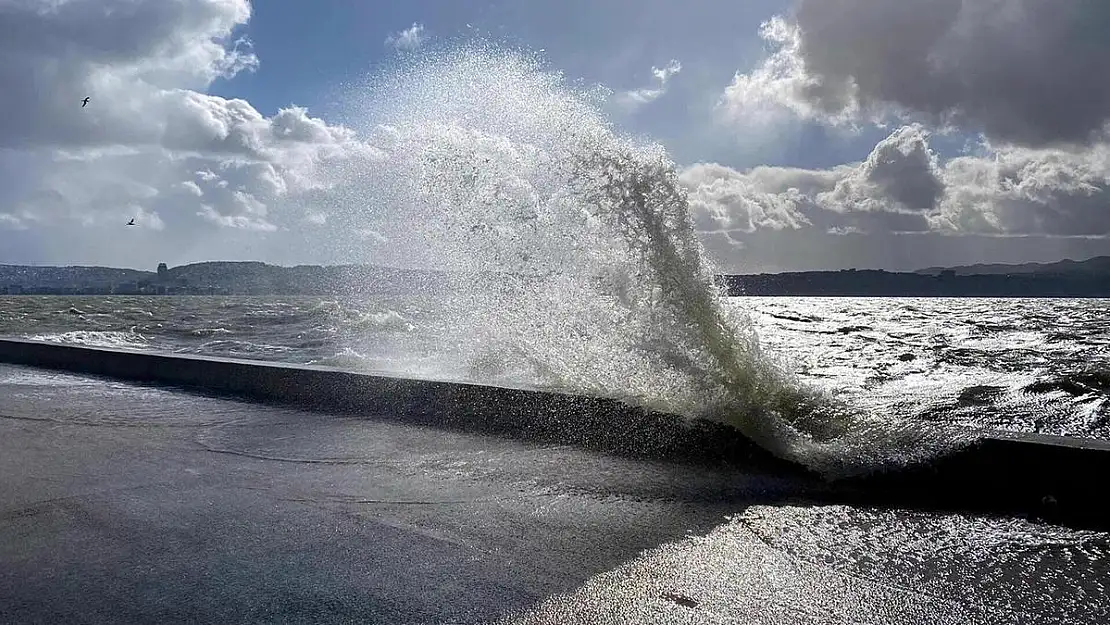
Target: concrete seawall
{"points": [[590, 422], [1053, 478]]}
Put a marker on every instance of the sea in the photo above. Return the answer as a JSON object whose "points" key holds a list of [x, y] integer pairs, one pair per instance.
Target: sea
{"points": [[1027, 365]]}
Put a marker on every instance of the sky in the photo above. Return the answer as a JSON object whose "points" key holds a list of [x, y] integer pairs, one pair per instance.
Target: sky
{"points": [[808, 134]]}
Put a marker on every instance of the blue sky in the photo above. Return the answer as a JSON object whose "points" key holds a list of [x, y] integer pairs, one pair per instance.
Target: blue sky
{"points": [[309, 51], [809, 134]]}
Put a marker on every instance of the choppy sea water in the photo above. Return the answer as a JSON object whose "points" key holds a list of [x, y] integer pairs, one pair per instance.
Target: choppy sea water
{"points": [[1039, 365]]}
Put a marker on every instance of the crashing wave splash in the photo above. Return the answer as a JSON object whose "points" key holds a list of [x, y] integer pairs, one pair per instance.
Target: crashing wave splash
{"points": [[587, 274]]}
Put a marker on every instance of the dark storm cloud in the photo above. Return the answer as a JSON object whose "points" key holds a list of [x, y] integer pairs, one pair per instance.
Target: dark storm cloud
{"points": [[1027, 74], [900, 174], [1031, 72], [904, 167]]}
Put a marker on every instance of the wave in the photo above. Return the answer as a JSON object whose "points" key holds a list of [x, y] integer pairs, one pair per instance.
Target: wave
{"points": [[378, 320], [492, 164], [206, 332], [229, 347], [347, 358], [93, 338]]}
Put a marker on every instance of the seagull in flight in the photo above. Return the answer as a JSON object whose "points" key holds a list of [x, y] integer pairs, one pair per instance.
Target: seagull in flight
{"points": [[132, 222], [85, 102]]}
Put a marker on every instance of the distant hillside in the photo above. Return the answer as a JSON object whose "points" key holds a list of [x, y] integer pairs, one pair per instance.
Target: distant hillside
{"points": [[229, 278], [1090, 278], [874, 283], [1097, 265], [69, 276]]}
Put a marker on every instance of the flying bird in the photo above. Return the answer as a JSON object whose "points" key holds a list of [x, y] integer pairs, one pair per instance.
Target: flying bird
{"points": [[85, 102], [132, 222]]}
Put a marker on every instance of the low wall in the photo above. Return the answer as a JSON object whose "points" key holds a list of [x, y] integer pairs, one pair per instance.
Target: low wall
{"points": [[1053, 478], [589, 422]]}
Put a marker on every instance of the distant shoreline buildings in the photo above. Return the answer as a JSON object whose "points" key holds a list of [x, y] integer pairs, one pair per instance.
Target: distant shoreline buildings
{"points": [[160, 283]]}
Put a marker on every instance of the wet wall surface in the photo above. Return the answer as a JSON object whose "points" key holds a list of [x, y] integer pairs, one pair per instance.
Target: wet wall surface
{"points": [[126, 503]]}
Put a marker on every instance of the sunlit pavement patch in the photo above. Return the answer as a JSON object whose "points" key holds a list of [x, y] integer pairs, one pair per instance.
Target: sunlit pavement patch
{"points": [[838, 565]]}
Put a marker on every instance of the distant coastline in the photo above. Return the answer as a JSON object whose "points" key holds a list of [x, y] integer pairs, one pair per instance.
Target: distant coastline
{"points": [[889, 284], [1089, 278], [209, 278]]}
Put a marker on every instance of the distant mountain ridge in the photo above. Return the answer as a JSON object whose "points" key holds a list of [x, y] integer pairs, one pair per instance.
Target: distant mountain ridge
{"points": [[1098, 264]]}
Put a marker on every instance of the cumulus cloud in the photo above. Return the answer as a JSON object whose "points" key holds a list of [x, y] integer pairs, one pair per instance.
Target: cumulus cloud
{"points": [[901, 173], [724, 200], [904, 187], [152, 143], [1024, 191], [191, 187], [147, 219], [780, 88], [12, 222], [251, 217], [1027, 72], [1021, 74], [646, 95], [409, 39], [120, 54]]}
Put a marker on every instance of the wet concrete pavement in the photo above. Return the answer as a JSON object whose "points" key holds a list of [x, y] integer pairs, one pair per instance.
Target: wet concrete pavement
{"points": [[133, 504]]}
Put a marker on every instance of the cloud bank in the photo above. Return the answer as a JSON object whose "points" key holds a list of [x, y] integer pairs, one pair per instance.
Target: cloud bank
{"points": [[1021, 77], [1020, 71], [151, 144], [903, 187]]}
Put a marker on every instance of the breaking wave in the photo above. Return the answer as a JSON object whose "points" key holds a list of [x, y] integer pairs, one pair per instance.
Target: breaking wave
{"points": [[585, 272], [94, 338]]}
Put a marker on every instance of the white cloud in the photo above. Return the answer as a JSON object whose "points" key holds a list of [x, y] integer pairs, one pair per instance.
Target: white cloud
{"points": [[409, 39], [904, 187], [723, 200], [900, 174], [131, 58], [191, 187], [151, 144], [11, 222], [1021, 73], [1022, 191], [780, 89], [646, 95], [146, 219], [243, 221]]}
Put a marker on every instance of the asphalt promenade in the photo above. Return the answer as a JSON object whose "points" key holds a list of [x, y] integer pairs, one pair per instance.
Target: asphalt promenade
{"points": [[130, 503]]}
